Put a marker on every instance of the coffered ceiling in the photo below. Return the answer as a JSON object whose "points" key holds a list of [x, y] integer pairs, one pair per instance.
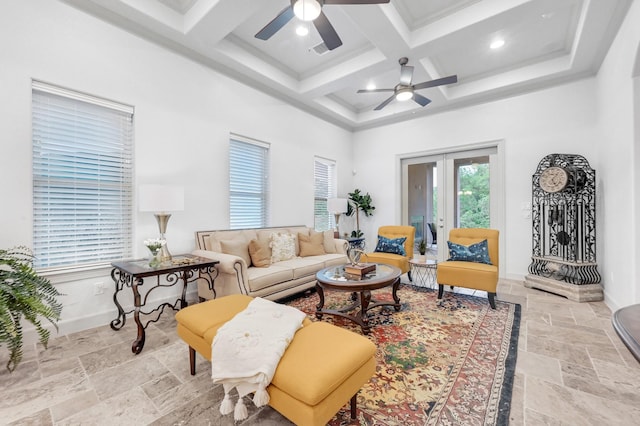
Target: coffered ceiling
{"points": [[546, 42]]}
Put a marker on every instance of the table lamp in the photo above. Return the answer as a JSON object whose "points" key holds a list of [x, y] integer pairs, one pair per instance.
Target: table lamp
{"points": [[337, 206], [161, 199]]}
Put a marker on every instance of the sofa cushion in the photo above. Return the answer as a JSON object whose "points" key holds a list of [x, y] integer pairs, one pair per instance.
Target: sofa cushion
{"points": [[213, 242], [328, 241], [283, 246], [260, 253], [260, 278], [303, 266], [311, 245], [238, 247], [298, 230]]}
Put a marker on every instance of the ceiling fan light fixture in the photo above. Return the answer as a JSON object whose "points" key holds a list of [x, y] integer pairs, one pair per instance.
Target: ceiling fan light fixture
{"points": [[302, 30], [404, 94], [497, 43], [307, 10]]}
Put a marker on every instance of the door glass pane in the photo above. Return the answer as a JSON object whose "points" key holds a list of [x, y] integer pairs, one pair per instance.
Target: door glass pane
{"points": [[472, 192], [422, 202]]}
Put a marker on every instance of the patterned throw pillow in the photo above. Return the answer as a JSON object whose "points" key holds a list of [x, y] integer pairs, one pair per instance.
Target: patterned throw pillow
{"points": [[283, 246], [391, 245], [478, 252]]}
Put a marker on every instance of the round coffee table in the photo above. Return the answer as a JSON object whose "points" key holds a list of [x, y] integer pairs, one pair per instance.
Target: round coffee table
{"points": [[335, 278]]}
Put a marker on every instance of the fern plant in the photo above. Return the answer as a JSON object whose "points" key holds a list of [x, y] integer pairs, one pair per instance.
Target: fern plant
{"points": [[24, 294]]}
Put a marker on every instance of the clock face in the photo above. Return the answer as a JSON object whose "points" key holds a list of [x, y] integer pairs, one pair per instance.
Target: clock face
{"points": [[554, 179]]}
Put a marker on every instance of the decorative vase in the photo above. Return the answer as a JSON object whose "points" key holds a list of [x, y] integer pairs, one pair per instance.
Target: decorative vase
{"points": [[154, 258], [353, 254]]}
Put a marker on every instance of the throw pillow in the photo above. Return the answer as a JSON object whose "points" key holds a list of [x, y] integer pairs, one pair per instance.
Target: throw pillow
{"points": [[311, 245], [329, 242], [283, 246], [238, 248], [260, 254], [391, 245], [478, 252]]}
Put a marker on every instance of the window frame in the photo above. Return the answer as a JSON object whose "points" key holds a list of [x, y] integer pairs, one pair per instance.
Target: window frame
{"points": [[82, 179], [324, 188], [255, 189]]}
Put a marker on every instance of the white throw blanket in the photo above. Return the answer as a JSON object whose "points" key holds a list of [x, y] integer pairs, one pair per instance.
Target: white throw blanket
{"points": [[247, 349]]}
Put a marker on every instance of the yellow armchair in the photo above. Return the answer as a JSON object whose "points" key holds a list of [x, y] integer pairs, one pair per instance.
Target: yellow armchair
{"points": [[478, 276], [396, 260]]}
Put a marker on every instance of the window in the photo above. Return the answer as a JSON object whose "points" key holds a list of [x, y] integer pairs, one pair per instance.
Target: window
{"points": [[324, 173], [82, 179], [248, 183]]}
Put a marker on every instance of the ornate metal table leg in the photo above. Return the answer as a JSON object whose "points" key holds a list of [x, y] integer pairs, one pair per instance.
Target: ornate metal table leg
{"points": [[320, 304], [119, 280], [365, 298], [138, 344], [185, 279], [394, 293]]}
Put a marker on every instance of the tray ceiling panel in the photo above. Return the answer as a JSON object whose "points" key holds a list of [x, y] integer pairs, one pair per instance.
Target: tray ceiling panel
{"points": [[546, 42]]}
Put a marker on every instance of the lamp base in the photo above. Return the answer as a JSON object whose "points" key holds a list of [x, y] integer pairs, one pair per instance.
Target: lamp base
{"points": [[164, 255], [163, 219]]}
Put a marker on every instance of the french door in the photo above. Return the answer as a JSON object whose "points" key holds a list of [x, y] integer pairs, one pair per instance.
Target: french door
{"points": [[458, 189]]}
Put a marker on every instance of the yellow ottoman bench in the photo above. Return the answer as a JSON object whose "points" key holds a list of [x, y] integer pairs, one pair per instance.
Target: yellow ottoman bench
{"points": [[321, 370]]}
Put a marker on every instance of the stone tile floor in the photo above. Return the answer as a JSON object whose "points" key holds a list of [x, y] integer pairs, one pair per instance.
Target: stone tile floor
{"points": [[571, 370]]}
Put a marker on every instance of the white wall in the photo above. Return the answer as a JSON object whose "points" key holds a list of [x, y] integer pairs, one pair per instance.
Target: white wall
{"points": [[617, 150], [184, 113], [560, 119]]}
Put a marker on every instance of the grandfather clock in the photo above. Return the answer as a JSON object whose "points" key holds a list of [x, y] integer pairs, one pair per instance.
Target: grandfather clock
{"points": [[563, 212]]}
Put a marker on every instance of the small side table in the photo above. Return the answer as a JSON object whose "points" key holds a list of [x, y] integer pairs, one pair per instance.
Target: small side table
{"points": [[131, 273], [423, 271]]}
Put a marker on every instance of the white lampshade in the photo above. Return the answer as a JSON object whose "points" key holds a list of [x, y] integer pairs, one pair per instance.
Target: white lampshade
{"points": [[307, 10], [160, 198], [337, 205]]}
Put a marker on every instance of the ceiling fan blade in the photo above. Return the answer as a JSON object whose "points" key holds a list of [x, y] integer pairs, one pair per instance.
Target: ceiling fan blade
{"points": [[421, 99], [374, 90], [278, 22], [437, 82], [356, 1], [327, 32], [406, 74], [385, 103]]}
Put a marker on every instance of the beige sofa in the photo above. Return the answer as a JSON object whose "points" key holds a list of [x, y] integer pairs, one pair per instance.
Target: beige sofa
{"points": [[238, 273]]}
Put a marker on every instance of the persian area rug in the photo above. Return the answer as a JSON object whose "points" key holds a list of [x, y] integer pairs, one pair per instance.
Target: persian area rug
{"points": [[448, 362]]}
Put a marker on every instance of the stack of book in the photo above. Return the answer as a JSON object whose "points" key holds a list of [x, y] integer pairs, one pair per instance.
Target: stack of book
{"points": [[360, 268]]}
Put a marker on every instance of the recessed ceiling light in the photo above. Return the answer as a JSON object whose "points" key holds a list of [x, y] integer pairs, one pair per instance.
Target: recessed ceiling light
{"points": [[497, 44], [371, 86], [302, 30]]}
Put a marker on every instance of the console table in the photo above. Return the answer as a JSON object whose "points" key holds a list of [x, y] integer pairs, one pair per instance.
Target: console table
{"points": [[131, 273]]}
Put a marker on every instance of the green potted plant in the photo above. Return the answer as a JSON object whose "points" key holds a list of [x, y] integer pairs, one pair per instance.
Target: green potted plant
{"points": [[359, 202], [24, 294], [422, 247]]}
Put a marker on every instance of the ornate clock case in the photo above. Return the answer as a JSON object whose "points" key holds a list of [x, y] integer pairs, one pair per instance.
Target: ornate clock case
{"points": [[564, 229]]}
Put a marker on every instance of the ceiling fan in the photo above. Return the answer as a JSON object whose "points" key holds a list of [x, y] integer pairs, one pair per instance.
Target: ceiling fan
{"points": [[405, 90], [311, 10]]}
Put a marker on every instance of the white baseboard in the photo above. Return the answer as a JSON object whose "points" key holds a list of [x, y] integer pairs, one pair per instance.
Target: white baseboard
{"points": [[98, 319]]}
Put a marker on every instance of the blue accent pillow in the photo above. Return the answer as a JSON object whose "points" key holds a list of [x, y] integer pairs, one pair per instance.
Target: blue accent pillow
{"points": [[478, 252], [389, 245]]}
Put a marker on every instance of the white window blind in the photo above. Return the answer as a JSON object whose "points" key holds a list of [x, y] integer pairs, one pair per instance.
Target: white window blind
{"points": [[248, 183], [325, 188], [82, 179]]}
